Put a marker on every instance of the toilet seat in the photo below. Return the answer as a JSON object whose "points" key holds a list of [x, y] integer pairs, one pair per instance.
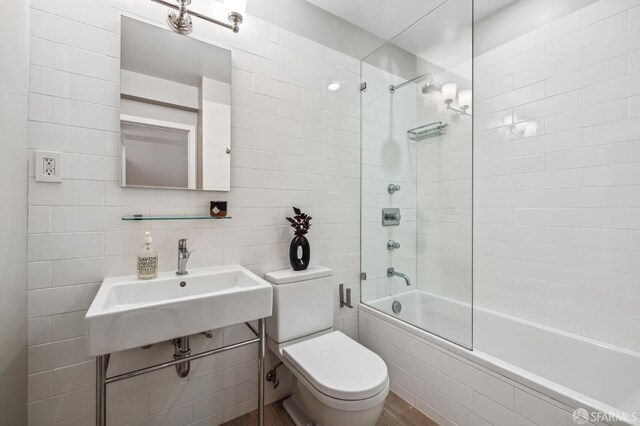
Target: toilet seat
{"points": [[339, 369]]}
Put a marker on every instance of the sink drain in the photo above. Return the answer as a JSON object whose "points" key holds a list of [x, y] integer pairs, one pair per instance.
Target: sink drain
{"points": [[396, 307]]}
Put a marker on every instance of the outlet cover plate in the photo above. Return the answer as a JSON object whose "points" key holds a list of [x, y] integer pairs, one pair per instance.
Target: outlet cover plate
{"points": [[48, 166]]}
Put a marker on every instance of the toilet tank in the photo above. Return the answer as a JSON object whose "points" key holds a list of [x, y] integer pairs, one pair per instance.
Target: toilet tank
{"points": [[302, 303]]}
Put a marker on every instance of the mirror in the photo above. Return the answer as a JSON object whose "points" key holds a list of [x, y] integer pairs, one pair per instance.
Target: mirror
{"points": [[175, 110]]}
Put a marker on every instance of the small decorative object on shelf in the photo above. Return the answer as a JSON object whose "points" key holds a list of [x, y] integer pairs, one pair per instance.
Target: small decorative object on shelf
{"points": [[218, 208], [301, 223]]}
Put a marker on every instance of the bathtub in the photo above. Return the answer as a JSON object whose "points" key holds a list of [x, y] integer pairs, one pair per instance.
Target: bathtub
{"points": [[575, 371]]}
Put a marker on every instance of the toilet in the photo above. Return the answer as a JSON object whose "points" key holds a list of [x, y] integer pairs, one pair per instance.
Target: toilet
{"points": [[337, 381]]}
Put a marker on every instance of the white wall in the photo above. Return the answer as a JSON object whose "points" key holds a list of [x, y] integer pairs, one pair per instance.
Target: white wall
{"points": [[444, 196], [557, 211], [14, 69], [291, 145]]}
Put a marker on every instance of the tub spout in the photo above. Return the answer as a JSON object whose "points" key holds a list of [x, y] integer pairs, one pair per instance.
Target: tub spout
{"points": [[391, 272]]}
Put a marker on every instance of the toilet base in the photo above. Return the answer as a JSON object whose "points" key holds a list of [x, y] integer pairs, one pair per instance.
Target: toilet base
{"points": [[293, 407], [305, 410]]}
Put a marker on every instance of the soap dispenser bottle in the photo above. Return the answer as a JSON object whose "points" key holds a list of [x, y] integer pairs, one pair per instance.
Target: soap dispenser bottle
{"points": [[147, 259]]}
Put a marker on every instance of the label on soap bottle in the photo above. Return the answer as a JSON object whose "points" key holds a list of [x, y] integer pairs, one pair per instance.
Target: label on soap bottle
{"points": [[147, 267]]}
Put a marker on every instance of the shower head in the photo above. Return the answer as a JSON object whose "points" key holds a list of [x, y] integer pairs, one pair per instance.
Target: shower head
{"points": [[431, 86], [179, 20]]}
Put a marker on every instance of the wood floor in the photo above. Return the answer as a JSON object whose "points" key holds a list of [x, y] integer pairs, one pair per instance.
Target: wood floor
{"points": [[396, 412]]}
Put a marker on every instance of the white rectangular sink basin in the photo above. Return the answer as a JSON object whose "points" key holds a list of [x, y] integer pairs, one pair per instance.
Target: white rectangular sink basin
{"points": [[128, 313]]}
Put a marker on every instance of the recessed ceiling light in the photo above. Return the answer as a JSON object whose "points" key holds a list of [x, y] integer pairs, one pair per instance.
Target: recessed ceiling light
{"points": [[333, 86]]}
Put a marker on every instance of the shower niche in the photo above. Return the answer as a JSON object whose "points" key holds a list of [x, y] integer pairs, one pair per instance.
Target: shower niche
{"points": [[175, 110]]}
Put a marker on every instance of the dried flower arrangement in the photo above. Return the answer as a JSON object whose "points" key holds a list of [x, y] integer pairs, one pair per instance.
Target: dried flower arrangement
{"points": [[301, 222]]}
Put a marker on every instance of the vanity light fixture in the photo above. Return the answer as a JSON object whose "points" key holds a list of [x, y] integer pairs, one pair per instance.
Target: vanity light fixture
{"points": [[179, 18], [449, 92]]}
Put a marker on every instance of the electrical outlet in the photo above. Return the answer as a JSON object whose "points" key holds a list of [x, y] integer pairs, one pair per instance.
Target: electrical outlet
{"points": [[48, 166]]}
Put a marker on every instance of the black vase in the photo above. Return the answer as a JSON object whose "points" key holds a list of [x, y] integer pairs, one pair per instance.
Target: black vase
{"points": [[299, 263]]}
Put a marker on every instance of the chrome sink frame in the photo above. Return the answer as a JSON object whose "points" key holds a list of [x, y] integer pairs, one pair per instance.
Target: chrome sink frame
{"points": [[102, 364]]}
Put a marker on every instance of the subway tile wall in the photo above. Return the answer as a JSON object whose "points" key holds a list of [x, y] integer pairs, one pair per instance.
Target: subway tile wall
{"points": [[387, 158], [293, 144], [557, 174], [453, 390]]}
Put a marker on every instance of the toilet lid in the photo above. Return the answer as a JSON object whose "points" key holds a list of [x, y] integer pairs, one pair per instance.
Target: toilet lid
{"points": [[339, 366]]}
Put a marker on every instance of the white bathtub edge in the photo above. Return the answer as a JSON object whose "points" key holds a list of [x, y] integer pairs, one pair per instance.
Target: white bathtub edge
{"points": [[562, 397]]}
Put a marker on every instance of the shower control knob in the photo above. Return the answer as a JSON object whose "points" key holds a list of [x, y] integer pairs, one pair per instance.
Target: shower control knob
{"points": [[392, 216], [392, 187], [392, 245]]}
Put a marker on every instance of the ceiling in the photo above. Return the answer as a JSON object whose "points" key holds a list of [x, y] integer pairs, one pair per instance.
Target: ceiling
{"points": [[438, 31], [485, 8], [388, 18], [384, 18]]}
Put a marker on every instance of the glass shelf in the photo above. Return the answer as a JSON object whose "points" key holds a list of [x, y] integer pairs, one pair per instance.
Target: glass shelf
{"points": [[141, 217]]}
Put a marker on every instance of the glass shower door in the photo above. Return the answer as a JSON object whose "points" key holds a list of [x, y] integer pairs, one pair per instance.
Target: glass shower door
{"points": [[416, 174]]}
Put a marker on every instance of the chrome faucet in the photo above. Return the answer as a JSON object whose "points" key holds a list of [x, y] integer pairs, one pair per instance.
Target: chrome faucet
{"points": [[391, 272], [183, 257]]}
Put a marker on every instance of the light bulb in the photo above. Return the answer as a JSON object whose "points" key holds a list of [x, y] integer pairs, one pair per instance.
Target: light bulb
{"points": [[238, 6], [449, 92], [464, 99], [333, 86]]}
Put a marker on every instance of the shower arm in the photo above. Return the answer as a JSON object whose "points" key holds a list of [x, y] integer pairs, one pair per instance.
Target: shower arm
{"points": [[393, 88], [392, 272]]}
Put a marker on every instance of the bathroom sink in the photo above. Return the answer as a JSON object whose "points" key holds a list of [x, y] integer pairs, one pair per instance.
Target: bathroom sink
{"points": [[128, 313]]}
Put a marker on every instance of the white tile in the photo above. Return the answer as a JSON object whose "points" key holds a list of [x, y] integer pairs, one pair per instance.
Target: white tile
{"points": [[67, 325], [39, 386], [496, 414], [557, 66], [39, 219], [51, 82], [587, 35], [613, 89], [64, 31], [40, 107], [56, 354], [612, 47], [76, 376], [65, 246], [634, 106], [77, 271], [61, 299], [87, 12], [76, 219], [39, 274], [90, 64], [39, 330], [277, 89], [589, 116], [598, 11], [587, 76], [82, 114]]}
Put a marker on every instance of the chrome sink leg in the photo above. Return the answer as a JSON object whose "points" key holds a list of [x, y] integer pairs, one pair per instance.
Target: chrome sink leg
{"points": [[102, 363], [261, 353]]}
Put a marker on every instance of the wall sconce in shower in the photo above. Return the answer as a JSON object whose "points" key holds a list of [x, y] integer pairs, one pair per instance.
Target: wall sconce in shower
{"points": [[449, 92], [179, 18], [524, 129], [334, 86]]}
